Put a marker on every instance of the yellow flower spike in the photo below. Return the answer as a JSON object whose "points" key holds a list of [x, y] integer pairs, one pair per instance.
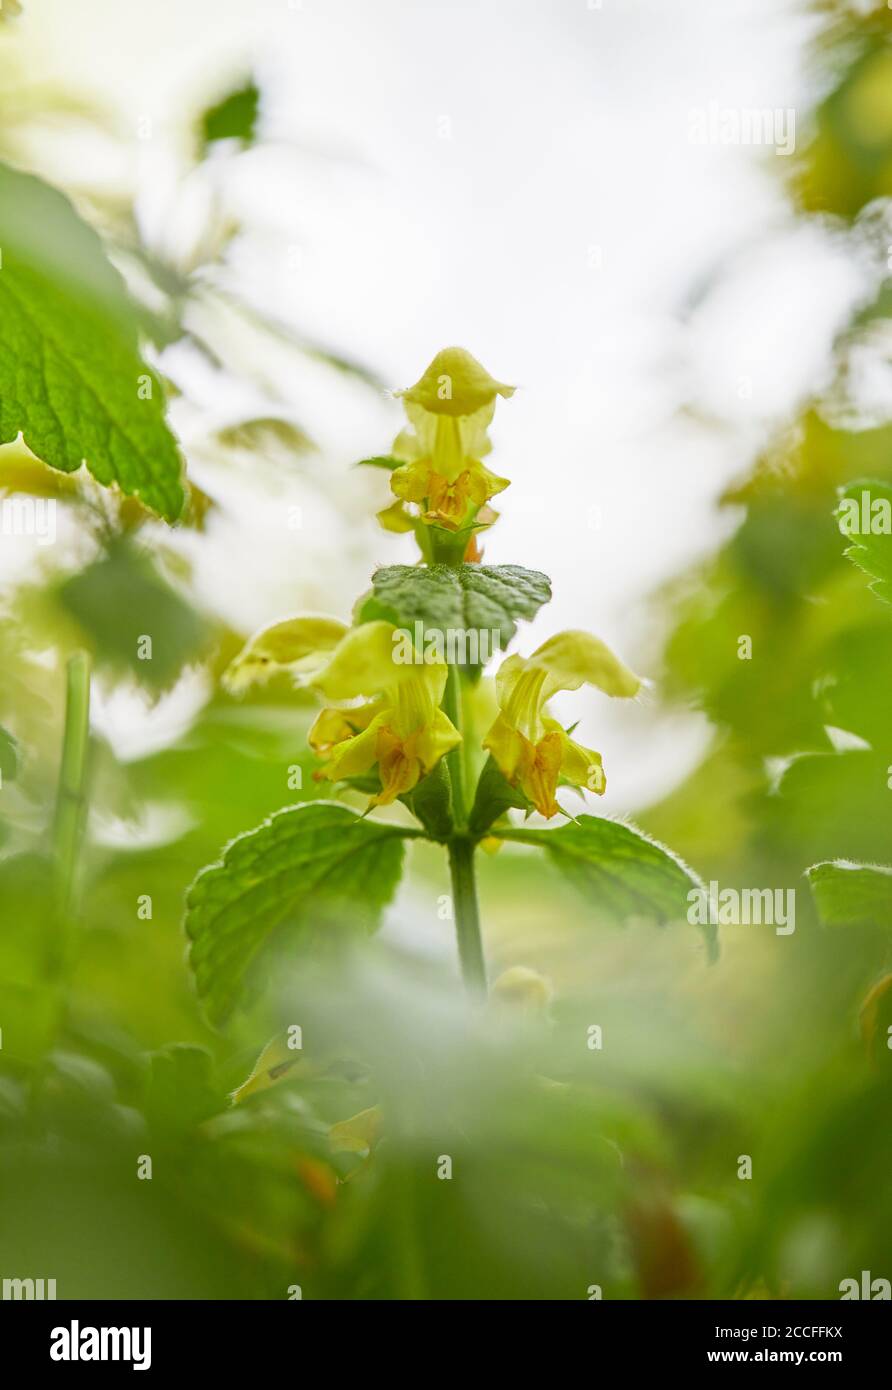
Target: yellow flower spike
{"points": [[449, 410], [300, 645], [402, 730], [532, 750]]}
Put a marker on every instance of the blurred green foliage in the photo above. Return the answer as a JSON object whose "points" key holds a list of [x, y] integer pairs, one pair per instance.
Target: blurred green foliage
{"points": [[593, 1141]]}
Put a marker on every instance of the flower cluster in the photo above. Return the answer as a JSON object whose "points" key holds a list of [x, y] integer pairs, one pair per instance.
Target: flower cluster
{"points": [[384, 727]]}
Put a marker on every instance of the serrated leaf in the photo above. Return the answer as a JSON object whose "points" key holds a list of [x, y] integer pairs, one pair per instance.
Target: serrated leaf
{"points": [[617, 868], [871, 549], [307, 871], [848, 894], [470, 599], [71, 377]]}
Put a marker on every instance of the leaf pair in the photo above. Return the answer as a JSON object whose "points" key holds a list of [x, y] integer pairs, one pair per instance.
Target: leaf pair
{"points": [[322, 868]]}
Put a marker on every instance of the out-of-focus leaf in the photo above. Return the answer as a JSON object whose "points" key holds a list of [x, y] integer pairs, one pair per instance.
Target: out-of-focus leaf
{"points": [[266, 434], [829, 805], [9, 757], [71, 377], [22, 472], [275, 1061], [875, 1020], [359, 1134], [307, 871], [121, 600], [234, 117], [181, 1092], [847, 163], [621, 872], [849, 894]]}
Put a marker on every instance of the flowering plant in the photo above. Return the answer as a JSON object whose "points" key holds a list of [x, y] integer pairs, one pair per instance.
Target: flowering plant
{"points": [[409, 717]]}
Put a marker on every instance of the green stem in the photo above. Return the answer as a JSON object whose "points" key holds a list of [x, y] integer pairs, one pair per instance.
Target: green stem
{"points": [[461, 847], [452, 706], [467, 915], [71, 793]]}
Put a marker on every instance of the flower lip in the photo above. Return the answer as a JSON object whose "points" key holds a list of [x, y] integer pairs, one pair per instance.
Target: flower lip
{"points": [[455, 383]]}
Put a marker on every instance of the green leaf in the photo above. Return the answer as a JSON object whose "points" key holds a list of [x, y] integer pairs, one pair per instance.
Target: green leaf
{"points": [[848, 894], [180, 1091], [71, 377], [866, 507], [234, 117], [120, 600], [494, 796], [309, 870], [462, 601], [618, 869]]}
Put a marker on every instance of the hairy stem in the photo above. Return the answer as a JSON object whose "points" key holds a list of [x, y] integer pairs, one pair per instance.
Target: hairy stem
{"points": [[467, 915], [452, 705]]}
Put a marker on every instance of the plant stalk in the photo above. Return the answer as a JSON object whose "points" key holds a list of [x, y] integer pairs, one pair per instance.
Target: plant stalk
{"points": [[467, 915], [71, 794], [452, 706]]}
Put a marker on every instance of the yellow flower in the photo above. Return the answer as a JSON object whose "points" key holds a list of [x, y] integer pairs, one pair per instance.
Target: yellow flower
{"points": [[449, 411], [401, 730], [531, 749], [298, 645]]}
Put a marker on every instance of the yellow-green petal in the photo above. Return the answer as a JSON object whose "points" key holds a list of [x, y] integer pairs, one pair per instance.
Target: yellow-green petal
{"points": [[508, 747], [395, 517], [572, 659], [362, 664], [455, 383], [416, 696], [580, 765], [299, 645], [334, 726], [355, 756], [437, 739]]}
